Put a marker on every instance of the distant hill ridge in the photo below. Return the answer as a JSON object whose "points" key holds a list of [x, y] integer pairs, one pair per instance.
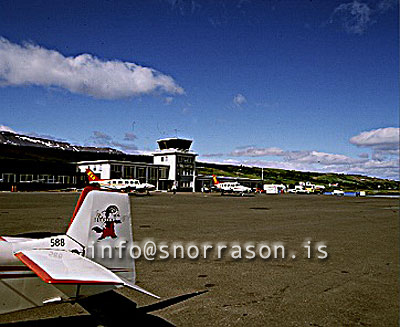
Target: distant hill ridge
{"points": [[9, 138], [15, 146], [21, 146]]}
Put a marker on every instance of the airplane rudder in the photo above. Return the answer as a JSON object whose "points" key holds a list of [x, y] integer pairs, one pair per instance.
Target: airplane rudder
{"points": [[110, 234], [91, 175], [215, 180]]}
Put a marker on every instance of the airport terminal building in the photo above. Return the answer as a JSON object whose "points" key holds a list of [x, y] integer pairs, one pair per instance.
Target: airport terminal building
{"points": [[32, 163], [173, 162]]}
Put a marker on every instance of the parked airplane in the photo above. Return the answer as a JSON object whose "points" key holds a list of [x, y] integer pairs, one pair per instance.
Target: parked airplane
{"points": [[75, 267], [230, 187], [119, 184]]}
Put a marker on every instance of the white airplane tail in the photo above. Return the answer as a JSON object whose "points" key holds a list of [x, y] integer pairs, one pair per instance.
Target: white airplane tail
{"points": [[102, 225]]}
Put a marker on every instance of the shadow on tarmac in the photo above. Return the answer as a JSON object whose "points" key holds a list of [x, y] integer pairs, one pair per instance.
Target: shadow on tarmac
{"points": [[109, 309]]}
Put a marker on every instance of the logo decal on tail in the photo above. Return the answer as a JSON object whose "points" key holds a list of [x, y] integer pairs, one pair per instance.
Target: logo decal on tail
{"points": [[215, 180], [109, 218], [91, 175]]}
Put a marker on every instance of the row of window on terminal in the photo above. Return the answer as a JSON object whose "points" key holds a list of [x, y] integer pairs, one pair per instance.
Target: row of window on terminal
{"points": [[38, 178]]}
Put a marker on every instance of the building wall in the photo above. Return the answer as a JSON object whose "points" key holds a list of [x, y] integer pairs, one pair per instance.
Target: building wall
{"points": [[101, 170], [105, 171], [38, 175], [167, 160], [149, 173], [181, 167]]}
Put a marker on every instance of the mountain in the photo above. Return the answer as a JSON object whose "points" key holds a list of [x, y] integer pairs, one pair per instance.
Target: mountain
{"points": [[18, 146]]}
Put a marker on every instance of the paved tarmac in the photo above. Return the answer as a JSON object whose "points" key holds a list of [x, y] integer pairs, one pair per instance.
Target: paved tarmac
{"points": [[357, 284]]}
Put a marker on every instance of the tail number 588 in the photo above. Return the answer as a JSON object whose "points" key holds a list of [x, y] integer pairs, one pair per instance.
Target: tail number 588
{"points": [[57, 242]]}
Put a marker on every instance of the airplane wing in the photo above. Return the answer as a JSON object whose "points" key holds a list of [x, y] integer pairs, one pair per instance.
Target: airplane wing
{"points": [[62, 267], [12, 239]]}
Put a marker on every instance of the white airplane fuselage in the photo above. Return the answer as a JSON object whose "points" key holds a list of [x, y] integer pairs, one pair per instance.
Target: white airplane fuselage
{"points": [[124, 184], [232, 187], [127, 184]]}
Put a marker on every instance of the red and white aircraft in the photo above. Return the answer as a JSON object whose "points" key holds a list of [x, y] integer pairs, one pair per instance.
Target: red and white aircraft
{"points": [[77, 267], [119, 184], [34, 272], [230, 187]]}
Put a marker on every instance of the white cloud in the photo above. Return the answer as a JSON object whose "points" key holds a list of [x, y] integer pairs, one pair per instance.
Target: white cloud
{"points": [[375, 168], [363, 155], [100, 139], [257, 152], [383, 161], [185, 6], [168, 100], [29, 64], [212, 155], [321, 158], [130, 136], [280, 164], [386, 5], [378, 139], [380, 164], [354, 17], [239, 99], [308, 157]]}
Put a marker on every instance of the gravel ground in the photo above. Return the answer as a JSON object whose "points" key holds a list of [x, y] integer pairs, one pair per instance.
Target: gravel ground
{"points": [[357, 284]]}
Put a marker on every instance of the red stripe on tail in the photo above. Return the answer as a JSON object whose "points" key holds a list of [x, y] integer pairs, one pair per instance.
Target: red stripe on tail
{"points": [[82, 197]]}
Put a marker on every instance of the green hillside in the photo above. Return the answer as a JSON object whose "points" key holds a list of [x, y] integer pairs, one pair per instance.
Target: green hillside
{"points": [[278, 176]]}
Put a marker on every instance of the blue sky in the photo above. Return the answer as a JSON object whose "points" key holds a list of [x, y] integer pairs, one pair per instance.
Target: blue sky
{"points": [[309, 85]]}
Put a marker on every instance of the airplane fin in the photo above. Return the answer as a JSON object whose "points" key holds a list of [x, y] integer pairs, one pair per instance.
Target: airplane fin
{"points": [[215, 180], [92, 176], [103, 226], [82, 197]]}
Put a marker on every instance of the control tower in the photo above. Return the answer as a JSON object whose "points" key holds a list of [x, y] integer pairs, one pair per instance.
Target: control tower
{"points": [[175, 152]]}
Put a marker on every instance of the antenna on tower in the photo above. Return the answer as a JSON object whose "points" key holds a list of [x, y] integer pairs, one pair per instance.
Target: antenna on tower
{"points": [[159, 131], [176, 131]]}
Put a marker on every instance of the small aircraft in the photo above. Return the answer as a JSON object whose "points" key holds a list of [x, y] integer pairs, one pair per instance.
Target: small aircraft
{"points": [[120, 184], [230, 187], [72, 268]]}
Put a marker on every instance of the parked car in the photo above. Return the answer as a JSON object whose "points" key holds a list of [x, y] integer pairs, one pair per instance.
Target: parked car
{"points": [[338, 192]]}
